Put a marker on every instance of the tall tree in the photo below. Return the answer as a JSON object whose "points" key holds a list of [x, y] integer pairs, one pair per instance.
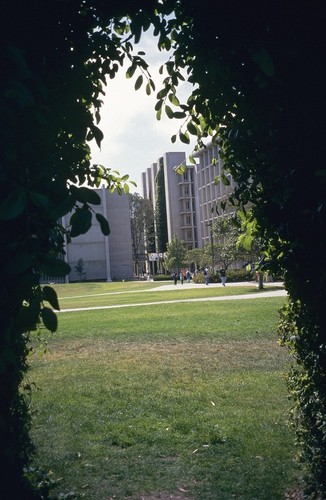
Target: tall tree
{"points": [[160, 212], [228, 231], [142, 227], [195, 257], [175, 255]]}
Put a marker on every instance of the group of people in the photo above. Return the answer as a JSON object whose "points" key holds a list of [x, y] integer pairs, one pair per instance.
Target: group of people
{"points": [[182, 277], [187, 275]]}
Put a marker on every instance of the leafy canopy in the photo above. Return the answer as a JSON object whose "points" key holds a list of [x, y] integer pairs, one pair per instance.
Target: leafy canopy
{"points": [[259, 83]]}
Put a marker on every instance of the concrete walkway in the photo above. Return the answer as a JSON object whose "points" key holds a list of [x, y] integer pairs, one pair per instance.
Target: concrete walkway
{"points": [[258, 295], [252, 284]]}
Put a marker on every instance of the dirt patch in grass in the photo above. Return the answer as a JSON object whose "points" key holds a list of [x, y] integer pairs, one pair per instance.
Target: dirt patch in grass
{"points": [[88, 348], [210, 355]]}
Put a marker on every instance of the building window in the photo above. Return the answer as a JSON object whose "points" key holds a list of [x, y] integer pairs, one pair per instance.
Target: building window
{"points": [[187, 205], [188, 220]]}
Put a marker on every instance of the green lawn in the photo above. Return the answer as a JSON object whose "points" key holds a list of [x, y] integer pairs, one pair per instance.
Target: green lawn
{"points": [[185, 399], [110, 294]]}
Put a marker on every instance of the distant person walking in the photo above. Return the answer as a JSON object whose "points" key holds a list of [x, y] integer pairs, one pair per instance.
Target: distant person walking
{"points": [[206, 276], [223, 276], [188, 276], [174, 277], [181, 278]]}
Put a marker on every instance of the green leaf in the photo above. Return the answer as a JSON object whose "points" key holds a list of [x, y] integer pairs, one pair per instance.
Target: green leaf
{"points": [[170, 67], [158, 105], [167, 44], [105, 228], [181, 169], [148, 89], [29, 316], [81, 221], [139, 82], [95, 133], [246, 241], [14, 205], [63, 208], [51, 296], [225, 179], [179, 114], [265, 62], [98, 135], [54, 267], [184, 138], [192, 129], [173, 138], [168, 111], [85, 195], [49, 318], [174, 100], [136, 28], [159, 114], [131, 70], [163, 93]]}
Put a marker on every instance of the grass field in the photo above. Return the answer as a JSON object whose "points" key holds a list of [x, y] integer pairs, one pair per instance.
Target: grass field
{"points": [[179, 400]]}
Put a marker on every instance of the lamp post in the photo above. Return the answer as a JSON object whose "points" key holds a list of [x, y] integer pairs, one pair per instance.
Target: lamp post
{"points": [[210, 225]]}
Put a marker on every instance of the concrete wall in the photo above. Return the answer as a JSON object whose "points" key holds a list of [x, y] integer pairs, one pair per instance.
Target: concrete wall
{"points": [[180, 195], [172, 191], [211, 193], [120, 245], [104, 257]]}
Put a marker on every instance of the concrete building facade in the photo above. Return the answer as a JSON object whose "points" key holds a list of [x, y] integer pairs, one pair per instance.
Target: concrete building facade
{"points": [[180, 196], [191, 198], [211, 191], [104, 257]]}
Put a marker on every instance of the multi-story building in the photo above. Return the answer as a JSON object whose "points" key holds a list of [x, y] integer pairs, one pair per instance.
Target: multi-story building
{"points": [[211, 191], [180, 196], [192, 197]]}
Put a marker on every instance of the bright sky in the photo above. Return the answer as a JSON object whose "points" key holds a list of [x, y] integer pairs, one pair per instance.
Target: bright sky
{"points": [[133, 138]]}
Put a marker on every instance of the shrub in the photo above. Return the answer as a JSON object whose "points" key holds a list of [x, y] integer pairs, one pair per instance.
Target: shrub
{"points": [[162, 277], [198, 278], [233, 275]]}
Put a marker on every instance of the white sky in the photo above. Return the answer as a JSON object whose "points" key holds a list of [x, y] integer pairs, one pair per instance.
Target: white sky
{"points": [[133, 138]]}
